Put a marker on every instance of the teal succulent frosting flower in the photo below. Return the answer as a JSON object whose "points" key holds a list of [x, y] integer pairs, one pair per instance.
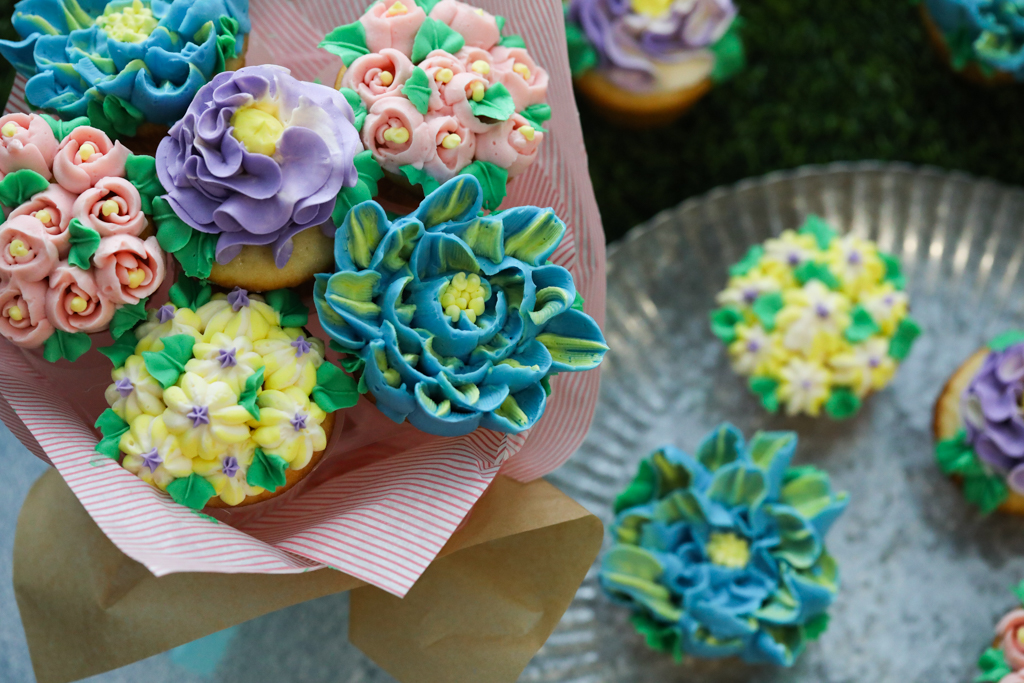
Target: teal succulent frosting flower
{"points": [[124, 62], [989, 33], [723, 553], [457, 320]]}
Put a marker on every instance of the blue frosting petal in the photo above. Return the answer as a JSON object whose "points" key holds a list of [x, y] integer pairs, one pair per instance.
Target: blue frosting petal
{"points": [[40, 16], [57, 90], [21, 54], [165, 103]]}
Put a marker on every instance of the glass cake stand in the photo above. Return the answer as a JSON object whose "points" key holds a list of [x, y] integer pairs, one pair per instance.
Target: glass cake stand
{"points": [[924, 576]]}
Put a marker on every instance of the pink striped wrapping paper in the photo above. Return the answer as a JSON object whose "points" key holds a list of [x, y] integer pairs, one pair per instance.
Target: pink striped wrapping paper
{"points": [[383, 510]]}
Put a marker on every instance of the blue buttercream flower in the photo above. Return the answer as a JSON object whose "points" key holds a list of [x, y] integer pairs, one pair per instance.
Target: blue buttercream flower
{"points": [[124, 62], [723, 554], [987, 32], [458, 319]]}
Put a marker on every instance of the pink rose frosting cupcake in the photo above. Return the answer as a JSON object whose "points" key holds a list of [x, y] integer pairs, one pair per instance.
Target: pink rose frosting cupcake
{"points": [[397, 134], [378, 75], [86, 156], [112, 206], [53, 209], [26, 142], [23, 313], [128, 269], [512, 146], [26, 252], [74, 302]]}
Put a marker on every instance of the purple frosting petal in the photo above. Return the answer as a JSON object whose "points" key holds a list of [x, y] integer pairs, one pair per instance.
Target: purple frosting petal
{"points": [[992, 402]]}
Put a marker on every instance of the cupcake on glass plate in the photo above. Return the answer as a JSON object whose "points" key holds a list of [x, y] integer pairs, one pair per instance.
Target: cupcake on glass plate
{"points": [[723, 553], [816, 320], [131, 67], [645, 62], [439, 91], [981, 40]]}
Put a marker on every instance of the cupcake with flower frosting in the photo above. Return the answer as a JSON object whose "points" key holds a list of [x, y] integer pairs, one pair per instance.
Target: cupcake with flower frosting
{"points": [[722, 553], [645, 62], [439, 91], [221, 399], [1003, 662], [982, 40], [77, 255], [816, 320]]}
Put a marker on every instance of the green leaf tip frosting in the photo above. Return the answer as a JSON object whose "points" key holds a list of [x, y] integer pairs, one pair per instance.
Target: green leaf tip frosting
{"points": [[334, 389], [119, 351], [358, 106], [167, 365], [820, 230], [493, 179], [267, 471], [84, 243], [192, 491], [993, 666], [842, 404], [190, 293], [497, 104], [812, 270], [417, 89], [289, 305], [251, 391], [766, 307], [1006, 340], [141, 172], [903, 339], [194, 250], [419, 176], [127, 317], [747, 263], [19, 187], [111, 426], [582, 55], [982, 487], [66, 345], [347, 42], [435, 35], [537, 114], [62, 128], [862, 325], [730, 57], [766, 389], [369, 174], [723, 323]]}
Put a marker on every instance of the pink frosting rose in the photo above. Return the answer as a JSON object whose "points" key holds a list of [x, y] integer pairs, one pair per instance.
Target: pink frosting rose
{"points": [[389, 26], [1013, 677], [23, 313], [378, 74], [128, 269], [26, 142], [77, 171], [26, 251], [479, 28], [1006, 630], [471, 58], [434, 66], [508, 146], [56, 205], [397, 134], [529, 84], [74, 302], [451, 155], [458, 95], [113, 207]]}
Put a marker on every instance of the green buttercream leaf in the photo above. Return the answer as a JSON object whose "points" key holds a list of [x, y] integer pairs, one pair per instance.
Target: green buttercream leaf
{"points": [[955, 456], [419, 176], [66, 345], [1006, 340], [365, 189], [766, 307], [171, 232], [250, 393], [642, 490], [821, 231], [842, 404], [903, 339], [84, 243], [141, 172], [545, 382], [578, 302], [500, 21], [659, 637], [811, 270], [62, 128], [730, 57], [723, 323], [582, 55], [816, 626], [361, 387], [993, 666], [417, 89], [427, 5], [357, 104], [766, 389], [862, 325], [127, 317], [119, 351], [228, 26], [987, 491], [348, 42], [167, 365], [493, 179], [435, 35], [267, 471], [334, 389], [112, 427], [289, 305], [351, 363], [190, 293], [512, 41], [748, 262], [497, 104], [227, 46], [124, 118], [192, 491], [18, 187], [537, 114], [893, 271], [197, 257]]}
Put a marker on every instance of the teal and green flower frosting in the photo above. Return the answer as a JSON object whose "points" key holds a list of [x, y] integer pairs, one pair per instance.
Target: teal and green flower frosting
{"points": [[456, 320], [988, 33], [723, 553]]}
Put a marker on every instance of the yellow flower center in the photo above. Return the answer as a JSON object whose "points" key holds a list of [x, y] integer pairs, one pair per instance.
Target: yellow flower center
{"points": [[528, 132], [1020, 632], [481, 67], [463, 295], [477, 90], [399, 136], [451, 141], [78, 304], [86, 151], [444, 75], [130, 24], [43, 216], [522, 70], [17, 248], [386, 78], [652, 8], [396, 9], [14, 313], [109, 207], [9, 129], [135, 278], [258, 127], [728, 550]]}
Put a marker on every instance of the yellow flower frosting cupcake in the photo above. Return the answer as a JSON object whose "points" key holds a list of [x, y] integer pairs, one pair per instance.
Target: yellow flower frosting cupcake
{"points": [[816, 320]]}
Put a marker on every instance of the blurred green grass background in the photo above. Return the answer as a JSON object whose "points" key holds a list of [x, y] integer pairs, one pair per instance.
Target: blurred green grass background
{"points": [[825, 81]]}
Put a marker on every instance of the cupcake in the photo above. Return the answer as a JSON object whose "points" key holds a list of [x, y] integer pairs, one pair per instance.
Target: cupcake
{"points": [[131, 67], [77, 255], [252, 174], [441, 94], [1004, 661], [223, 400], [643, 63], [455, 321], [815, 320], [723, 554], [981, 40], [979, 426]]}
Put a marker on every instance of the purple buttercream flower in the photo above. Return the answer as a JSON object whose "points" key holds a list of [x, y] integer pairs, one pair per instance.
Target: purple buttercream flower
{"points": [[238, 298], [230, 466], [301, 346], [227, 358], [200, 415], [298, 422], [124, 387], [165, 313], [993, 417], [152, 460], [216, 185]]}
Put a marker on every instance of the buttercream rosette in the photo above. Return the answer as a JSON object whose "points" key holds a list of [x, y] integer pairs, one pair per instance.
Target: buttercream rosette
{"points": [[1003, 662], [723, 553], [981, 38], [75, 259], [222, 399], [125, 62], [438, 92], [815, 320], [453, 320], [258, 158]]}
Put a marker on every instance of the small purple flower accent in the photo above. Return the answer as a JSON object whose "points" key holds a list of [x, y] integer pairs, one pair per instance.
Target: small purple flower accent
{"points": [[152, 460], [200, 415], [854, 258], [874, 362], [821, 310], [238, 298], [750, 295], [753, 346], [298, 422], [230, 466], [301, 346], [793, 258], [124, 387], [227, 358], [889, 300], [165, 313]]}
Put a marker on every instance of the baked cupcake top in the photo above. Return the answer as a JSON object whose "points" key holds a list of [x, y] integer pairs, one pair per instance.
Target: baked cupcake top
{"points": [[1004, 661], [654, 45], [815, 320], [73, 256], [125, 62], [438, 91], [219, 395], [258, 157], [453, 320], [723, 553], [988, 34]]}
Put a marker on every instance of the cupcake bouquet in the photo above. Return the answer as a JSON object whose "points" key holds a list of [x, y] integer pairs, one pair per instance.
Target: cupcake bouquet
{"points": [[1004, 661]]}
